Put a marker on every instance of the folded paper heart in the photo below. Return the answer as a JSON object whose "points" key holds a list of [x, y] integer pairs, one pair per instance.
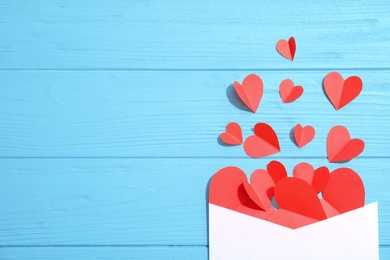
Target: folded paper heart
{"points": [[233, 134], [286, 48], [250, 91], [288, 92], [316, 178], [340, 147], [295, 197], [228, 190], [276, 171], [344, 190], [341, 92], [264, 142], [263, 185], [303, 135]]}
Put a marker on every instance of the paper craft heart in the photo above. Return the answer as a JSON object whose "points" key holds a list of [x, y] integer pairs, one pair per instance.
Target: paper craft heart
{"points": [[276, 171], [316, 178], [341, 92], [298, 196], [288, 92], [286, 49], [345, 190], [250, 91], [264, 142], [264, 186], [303, 135], [233, 134], [229, 189], [340, 147]]}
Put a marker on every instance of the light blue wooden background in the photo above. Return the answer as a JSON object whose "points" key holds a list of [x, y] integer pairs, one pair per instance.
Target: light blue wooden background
{"points": [[110, 113]]}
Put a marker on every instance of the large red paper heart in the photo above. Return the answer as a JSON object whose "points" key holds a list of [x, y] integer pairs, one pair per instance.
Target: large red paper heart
{"points": [[316, 178], [228, 190], [264, 142], [288, 92], [341, 92], [345, 190], [298, 196], [340, 147], [286, 49], [233, 134], [250, 91], [303, 135]]}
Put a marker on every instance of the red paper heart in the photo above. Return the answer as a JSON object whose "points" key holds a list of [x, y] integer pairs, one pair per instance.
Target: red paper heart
{"points": [[277, 171], [341, 92], [264, 186], [264, 142], [251, 91], [340, 147], [303, 135], [316, 178], [298, 196], [254, 196], [224, 187], [288, 92], [345, 190], [329, 210], [233, 134], [286, 49], [227, 189]]}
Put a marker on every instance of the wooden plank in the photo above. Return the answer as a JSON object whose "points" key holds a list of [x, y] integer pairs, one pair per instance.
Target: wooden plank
{"points": [[116, 252], [179, 253], [180, 35], [78, 202], [174, 114]]}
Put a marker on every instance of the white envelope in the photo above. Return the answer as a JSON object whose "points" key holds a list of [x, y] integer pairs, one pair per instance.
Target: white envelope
{"points": [[352, 235]]}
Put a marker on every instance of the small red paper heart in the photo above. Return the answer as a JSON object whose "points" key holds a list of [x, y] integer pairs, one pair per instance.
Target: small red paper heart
{"points": [[233, 134], [250, 91], [264, 142], [229, 189], [277, 171], [286, 49], [340, 147], [329, 210], [341, 92], [303, 135], [288, 92], [316, 178], [264, 186], [298, 196], [345, 190], [254, 196]]}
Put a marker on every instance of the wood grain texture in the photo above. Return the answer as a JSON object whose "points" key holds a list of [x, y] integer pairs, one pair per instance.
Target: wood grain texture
{"points": [[132, 201], [180, 35], [174, 114], [89, 253], [108, 252], [110, 113]]}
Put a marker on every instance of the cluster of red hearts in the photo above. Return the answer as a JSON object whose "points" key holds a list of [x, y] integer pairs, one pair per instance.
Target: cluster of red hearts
{"points": [[271, 194]]}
